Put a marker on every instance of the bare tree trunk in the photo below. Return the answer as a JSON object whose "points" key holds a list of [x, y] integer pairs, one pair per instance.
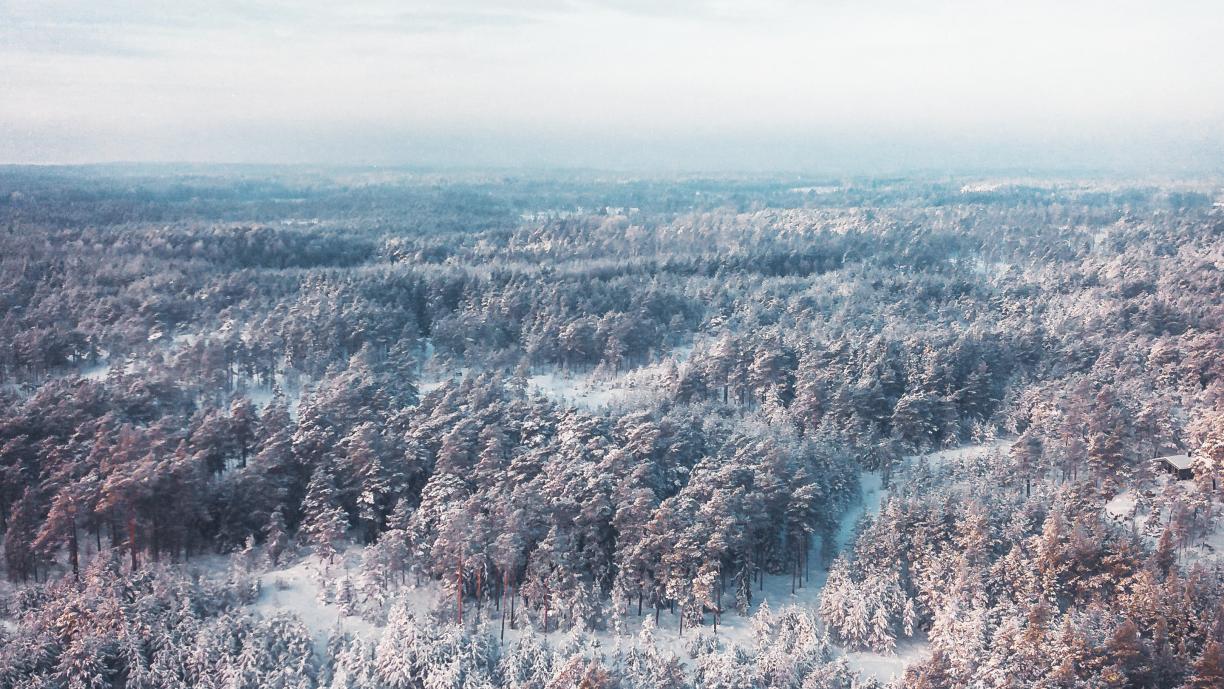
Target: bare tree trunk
{"points": [[479, 581], [155, 542], [72, 547], [505, 587], [459, 590], [131, 522]]}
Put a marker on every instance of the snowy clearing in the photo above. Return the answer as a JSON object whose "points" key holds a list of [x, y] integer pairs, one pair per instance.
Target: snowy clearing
{"points": [[625, 390], [964, 454], [884, 667], [1147, 511], [296, 589], [587, 390]]}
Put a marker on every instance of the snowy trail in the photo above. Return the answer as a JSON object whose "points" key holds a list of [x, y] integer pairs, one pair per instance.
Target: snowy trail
{"points": [[295, 588], [776, 590], [882, 667], [871, 487]]}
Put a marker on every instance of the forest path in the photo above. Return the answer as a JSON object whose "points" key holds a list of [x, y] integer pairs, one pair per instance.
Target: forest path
{"points": [[295, 588]]}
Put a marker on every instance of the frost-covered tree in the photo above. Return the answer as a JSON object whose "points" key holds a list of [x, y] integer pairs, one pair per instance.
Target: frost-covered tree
{"points": [[324, 522]]}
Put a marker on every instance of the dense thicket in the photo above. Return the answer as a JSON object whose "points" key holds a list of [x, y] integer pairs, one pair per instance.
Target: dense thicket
{"points": [[156, 629], [193, 363]]}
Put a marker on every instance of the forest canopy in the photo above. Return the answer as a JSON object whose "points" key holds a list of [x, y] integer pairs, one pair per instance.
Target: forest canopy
{"points": [[263, 365]]}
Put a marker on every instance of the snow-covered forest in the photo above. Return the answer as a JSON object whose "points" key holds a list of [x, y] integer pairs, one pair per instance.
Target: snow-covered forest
{"points": [[287, 429]]}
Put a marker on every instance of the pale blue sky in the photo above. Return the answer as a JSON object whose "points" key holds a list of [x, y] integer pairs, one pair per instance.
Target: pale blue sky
{"points": [[884, 84]]}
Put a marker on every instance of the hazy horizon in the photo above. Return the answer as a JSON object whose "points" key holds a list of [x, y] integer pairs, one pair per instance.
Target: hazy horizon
{"points": [[842, 88]]}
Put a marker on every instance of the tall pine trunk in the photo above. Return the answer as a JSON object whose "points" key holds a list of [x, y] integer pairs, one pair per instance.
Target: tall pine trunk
{"points": [[131, 524]]}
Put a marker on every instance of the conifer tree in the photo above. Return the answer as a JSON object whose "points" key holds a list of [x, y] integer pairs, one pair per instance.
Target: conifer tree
{"points": [[324, 522]]}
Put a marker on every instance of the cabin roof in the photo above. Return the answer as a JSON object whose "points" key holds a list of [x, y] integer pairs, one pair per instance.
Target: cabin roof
{"points": [[1179, 462]]}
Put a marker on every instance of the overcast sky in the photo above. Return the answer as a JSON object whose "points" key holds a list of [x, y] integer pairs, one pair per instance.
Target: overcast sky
{"points": [[736, 84]]}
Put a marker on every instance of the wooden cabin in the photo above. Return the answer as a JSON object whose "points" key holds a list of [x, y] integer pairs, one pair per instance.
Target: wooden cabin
{"points": [[1179, 466]]}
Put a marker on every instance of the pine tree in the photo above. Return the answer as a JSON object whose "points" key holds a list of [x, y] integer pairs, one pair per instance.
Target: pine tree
{"points": [[59, 528], [1026, 459], [1165, 556], [1208, 671], [743, 590], [492, 457], [909, 618], [399, 658], [276, 538], [324, 523], [244, 424], [19, 554], [880, 636], [371, 488]]}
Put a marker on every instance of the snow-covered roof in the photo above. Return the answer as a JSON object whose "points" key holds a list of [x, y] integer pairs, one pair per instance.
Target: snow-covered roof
{"points": [[1178, 462]]}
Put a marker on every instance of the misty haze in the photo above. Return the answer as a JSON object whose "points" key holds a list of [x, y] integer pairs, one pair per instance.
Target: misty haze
{"points": [[611, 344]]}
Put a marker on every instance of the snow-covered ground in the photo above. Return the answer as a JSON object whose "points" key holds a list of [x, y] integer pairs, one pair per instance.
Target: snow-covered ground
{"points": [[1131, 507], [295, 587], [432, 382], [886, 667], [871, 487], [101, 369], [261, 395], [624, 390], [98, 371], [1123, 505], [1134, 508], [882, 667], [588, 390], [1210, 545], [964, 454]]}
